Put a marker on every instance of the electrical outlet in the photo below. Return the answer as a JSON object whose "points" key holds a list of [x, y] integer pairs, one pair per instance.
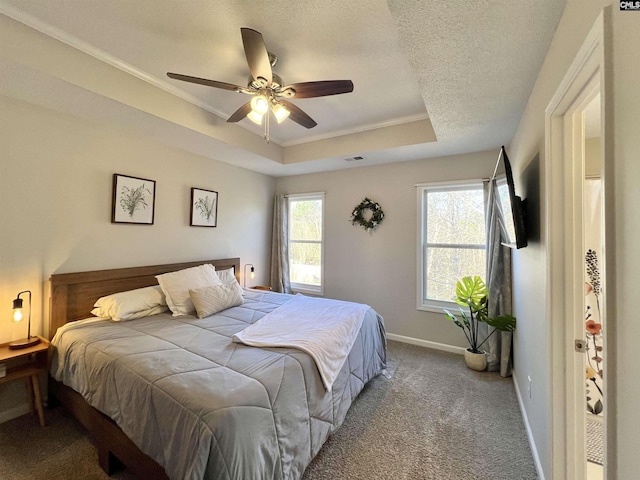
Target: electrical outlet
{"points": [[529, 386]]}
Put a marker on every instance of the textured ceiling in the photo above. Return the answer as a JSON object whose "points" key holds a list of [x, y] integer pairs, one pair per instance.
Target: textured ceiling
{"points": [[476, 62], [471, 65]]}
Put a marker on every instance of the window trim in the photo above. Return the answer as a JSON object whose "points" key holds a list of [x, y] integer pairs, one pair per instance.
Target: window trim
{"points": [[422, 303], [305, 287]]}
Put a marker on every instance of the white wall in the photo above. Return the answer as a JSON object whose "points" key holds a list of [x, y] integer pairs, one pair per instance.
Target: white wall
{"points": [[380, 268], [531, 348], [55, 191]]}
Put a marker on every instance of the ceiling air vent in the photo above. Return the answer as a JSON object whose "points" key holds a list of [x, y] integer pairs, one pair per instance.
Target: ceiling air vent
{"points": [[354, 159]]}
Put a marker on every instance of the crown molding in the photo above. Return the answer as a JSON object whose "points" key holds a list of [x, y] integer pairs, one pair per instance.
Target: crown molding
{"points": [[359, 129], [64, 37], [74, 42]]}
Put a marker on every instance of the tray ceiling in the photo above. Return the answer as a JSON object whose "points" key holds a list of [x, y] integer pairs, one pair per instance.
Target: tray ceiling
{"points": [[431, 78]]}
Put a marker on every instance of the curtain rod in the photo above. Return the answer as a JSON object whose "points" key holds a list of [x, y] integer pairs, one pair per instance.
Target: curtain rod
{"points": [[497, 163], [287, 195], [453, 182]]}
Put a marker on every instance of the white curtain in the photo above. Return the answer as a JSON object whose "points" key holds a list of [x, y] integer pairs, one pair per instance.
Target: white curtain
{"points": [[280, 246], [498, 280]]}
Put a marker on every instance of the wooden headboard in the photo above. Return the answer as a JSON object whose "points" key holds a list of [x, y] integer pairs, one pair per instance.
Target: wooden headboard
{"points": [[73, 294]]}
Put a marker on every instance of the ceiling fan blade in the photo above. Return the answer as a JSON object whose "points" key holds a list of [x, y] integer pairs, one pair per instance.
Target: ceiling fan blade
{"points": [[322, 88], [239, 114], [204, 81], [298, 115], [257, 55]]}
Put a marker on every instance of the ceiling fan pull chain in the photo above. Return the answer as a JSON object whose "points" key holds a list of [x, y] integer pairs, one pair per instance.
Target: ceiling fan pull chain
{"points": [[266, 126]]}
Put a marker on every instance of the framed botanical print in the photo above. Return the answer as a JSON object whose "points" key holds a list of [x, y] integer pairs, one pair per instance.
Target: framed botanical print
{"points": [[204, 208], [133, 200]]}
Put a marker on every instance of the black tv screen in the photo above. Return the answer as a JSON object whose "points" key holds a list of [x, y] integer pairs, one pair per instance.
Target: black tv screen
{"points": [[513, 207]]}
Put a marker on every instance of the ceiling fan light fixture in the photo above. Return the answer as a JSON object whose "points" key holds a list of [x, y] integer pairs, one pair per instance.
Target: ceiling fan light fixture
{"points": [[267, 88], [260, 104], [255, 117], [280, 112]]}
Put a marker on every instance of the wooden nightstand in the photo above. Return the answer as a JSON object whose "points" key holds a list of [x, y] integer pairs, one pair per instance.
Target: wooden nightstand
{"points": [[27, 363], [261, 287]]}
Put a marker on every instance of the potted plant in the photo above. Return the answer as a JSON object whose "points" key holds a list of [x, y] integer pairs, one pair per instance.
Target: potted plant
{"points": [[471, 293]]}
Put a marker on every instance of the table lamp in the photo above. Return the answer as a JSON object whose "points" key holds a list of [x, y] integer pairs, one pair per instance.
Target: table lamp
{"points": [[244, 277], [17, 318]]}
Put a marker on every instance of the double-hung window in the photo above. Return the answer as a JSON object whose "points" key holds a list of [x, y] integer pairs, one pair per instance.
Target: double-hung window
{"points": [[451, 240], [306, 218]]}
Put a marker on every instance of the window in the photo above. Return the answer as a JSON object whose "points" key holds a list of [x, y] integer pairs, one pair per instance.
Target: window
{"points": [[451, 240], [305, 242]]}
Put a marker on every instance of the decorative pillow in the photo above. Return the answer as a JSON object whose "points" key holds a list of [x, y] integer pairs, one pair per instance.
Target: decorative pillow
{"points": [[215, 298], [176, 285], [227, 277], [131, 304]]}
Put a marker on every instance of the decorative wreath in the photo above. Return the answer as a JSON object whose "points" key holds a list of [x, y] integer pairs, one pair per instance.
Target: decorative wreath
{"points": [[377, 215]]}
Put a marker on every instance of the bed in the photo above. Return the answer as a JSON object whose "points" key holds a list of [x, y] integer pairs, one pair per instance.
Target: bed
{"points": [[211, 408]]}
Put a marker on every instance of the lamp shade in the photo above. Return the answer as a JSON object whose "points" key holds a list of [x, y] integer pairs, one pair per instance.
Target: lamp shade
{"points": [[17, 310], [255, 117], [260, 104], [281, 113]]}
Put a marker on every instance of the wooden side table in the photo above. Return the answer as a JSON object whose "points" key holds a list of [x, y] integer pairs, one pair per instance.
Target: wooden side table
{"points": [[261, 287], [27, 363]]}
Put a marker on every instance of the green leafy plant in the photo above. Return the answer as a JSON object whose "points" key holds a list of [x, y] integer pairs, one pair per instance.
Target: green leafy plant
{"points": [[132, 198], [471, 293], [206, 208]]}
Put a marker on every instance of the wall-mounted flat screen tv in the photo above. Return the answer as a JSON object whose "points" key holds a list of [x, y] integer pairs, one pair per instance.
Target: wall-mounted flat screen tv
{"points": [[513, 207]]}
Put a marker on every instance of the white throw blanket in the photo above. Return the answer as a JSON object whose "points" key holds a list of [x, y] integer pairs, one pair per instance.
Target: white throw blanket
{"points": [[323, 328]]}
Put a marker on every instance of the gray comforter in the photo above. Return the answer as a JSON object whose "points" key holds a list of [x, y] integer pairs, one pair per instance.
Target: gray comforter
{"points": [[205, 407]]}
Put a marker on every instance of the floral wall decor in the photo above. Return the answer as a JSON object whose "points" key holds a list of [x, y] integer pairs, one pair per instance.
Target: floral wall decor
{"points": [[133, 200], [204, 208], [368, 214]]}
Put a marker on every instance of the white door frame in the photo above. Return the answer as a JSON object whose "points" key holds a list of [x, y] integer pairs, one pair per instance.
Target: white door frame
{"points": [[564, 235]]}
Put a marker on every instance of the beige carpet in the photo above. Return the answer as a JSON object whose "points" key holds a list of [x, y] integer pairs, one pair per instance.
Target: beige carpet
{"points": [[429, 418]]}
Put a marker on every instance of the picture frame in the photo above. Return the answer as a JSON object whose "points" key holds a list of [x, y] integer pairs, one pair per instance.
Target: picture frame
{"points": [[134, 200], [204, 208]]}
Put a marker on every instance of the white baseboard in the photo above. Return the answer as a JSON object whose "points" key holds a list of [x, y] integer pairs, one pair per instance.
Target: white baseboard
{"points": [[527, 426], [426, 343], [14, 412]]}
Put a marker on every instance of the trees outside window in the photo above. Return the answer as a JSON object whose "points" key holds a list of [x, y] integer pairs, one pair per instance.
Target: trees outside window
{"points": [[451, 240], [306, 242]]}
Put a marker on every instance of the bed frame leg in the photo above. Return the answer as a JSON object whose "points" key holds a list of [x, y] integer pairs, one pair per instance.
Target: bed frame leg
{"points": [[108, 461]]}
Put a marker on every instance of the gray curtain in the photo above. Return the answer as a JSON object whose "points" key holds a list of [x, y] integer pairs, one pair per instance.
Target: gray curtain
{"points": [[280, 246], [498, 279]]}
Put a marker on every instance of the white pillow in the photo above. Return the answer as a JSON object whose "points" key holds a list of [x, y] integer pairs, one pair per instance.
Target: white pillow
{"points": [[215, 298], [138, 303], [227, 277], [176, 285]]}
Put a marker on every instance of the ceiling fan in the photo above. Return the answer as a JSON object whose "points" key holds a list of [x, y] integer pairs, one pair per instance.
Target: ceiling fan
{"points": [[268, 89]]}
